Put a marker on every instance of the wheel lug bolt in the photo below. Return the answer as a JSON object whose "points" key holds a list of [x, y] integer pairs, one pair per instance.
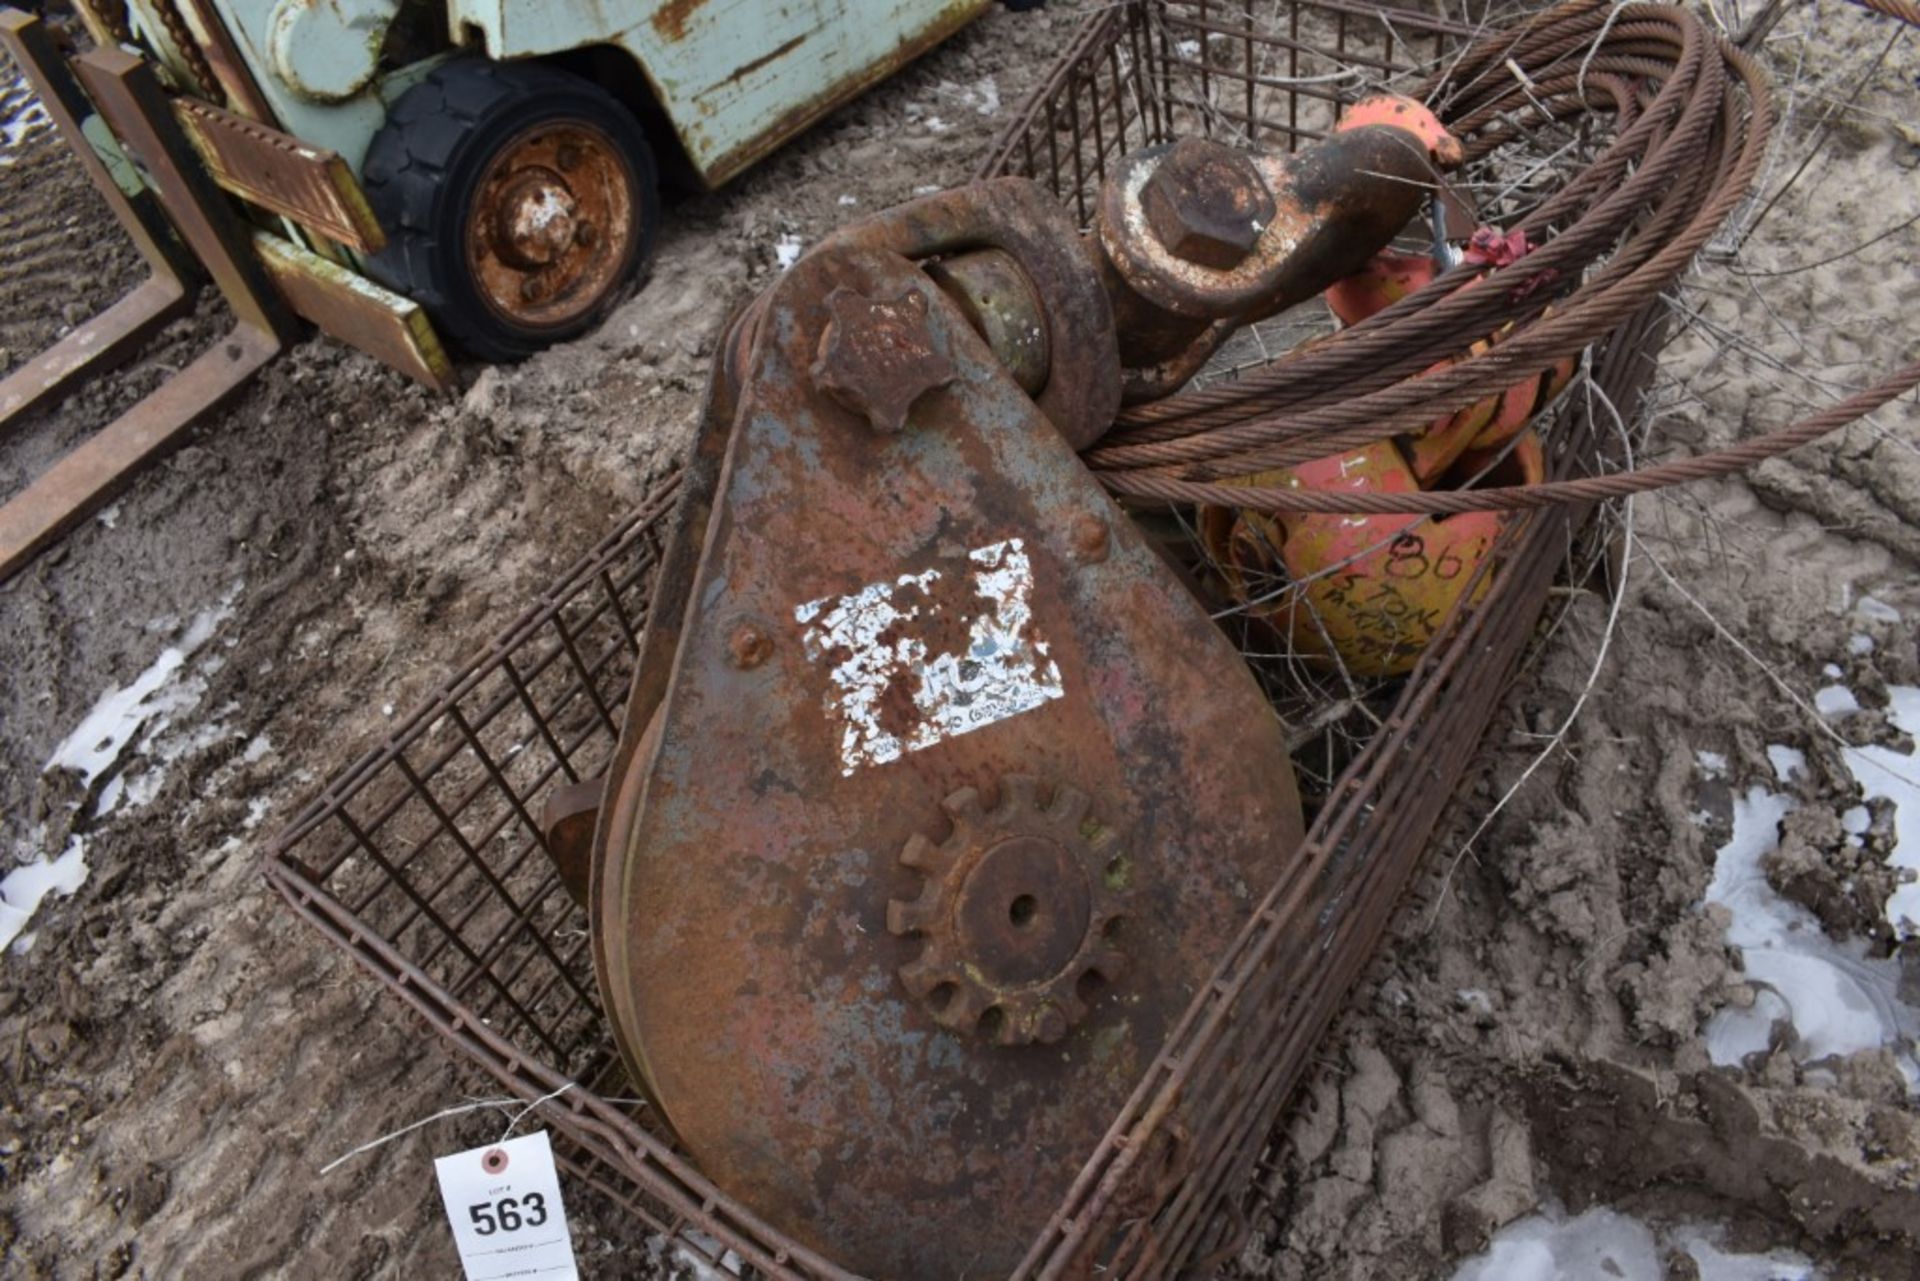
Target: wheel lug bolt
{"points": [[585, 234]]}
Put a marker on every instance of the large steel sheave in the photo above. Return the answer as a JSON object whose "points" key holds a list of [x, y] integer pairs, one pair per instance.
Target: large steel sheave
{"points": [[949, 802]]}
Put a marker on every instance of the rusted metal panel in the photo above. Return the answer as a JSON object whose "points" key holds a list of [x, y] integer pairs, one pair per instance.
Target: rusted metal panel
{"points": [[388, 327], [947, 809], [927, 682], [311, 185], [206, 22], [346, 124]]}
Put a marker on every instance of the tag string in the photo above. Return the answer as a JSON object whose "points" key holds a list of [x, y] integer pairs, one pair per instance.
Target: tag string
{"points": [[445, 1113]]}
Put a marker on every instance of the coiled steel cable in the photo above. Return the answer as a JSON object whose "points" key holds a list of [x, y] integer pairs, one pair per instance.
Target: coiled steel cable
{"points": [[1692, 115], [1905, 10]]}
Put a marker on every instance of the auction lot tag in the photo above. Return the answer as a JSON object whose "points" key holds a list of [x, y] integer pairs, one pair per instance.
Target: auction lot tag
{"points": [[504, 1203]]}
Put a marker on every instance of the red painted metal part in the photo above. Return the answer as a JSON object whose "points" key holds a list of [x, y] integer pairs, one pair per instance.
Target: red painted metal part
{"points": [[1369, 593]]}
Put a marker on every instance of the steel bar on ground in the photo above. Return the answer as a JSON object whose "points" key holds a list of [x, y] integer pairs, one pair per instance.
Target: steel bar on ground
{"points": [[130, 100]]}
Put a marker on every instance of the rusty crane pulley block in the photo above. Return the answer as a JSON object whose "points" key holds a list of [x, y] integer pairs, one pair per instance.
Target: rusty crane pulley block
{"points": [[939, 791]]}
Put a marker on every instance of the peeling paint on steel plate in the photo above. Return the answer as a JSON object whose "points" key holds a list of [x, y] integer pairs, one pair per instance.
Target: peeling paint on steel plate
{"points": [[1002, 669]]}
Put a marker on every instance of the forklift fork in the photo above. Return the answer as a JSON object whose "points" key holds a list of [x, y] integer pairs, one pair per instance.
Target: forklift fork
{"points": [[127, 99]]}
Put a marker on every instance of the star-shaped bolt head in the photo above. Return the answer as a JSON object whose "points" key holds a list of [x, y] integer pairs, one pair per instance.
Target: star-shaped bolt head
{"points": [[876, 356]]}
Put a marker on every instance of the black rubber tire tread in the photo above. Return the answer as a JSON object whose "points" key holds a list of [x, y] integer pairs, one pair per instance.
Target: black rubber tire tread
{"points": [[423, 168]]}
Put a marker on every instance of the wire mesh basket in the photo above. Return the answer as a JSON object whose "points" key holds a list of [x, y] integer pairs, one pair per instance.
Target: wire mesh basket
{"points": [[423, 859]]}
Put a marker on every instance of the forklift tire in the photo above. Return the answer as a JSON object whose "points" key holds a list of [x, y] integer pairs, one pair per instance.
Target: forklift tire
{"points": [[517, 199]]}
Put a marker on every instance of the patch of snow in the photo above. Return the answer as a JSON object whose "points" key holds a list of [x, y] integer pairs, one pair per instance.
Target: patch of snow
{"points": [[1600, 1245], [257, 808], [109, 516], [128, 718], [1719, 1264], [1837, 1000], [786, 251], [1605, 1245], [696, 1262], [1884, 774], [936, 124], [1786, 761], [1831, 671], [1832, 700], [1877, 610], [982, 96], [1712, 764], [846, 201], [1187, 48], [1733, 1033], [1859, 643], [22, 889], [21, 117]]}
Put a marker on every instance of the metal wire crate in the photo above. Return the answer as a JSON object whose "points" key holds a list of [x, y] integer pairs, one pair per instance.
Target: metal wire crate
{"points": [[423, 858]]}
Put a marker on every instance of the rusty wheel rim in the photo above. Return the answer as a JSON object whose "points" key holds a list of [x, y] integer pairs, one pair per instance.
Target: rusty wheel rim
{"points": [[552, 224]]}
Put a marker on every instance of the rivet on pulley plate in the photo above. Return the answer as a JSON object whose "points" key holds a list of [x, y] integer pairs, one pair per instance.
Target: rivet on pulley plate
{"points": [[749, 646], [1090, 537]]}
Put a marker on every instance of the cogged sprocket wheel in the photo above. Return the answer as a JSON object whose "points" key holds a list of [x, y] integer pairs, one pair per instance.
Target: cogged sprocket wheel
{"points": [[1020, 913]]}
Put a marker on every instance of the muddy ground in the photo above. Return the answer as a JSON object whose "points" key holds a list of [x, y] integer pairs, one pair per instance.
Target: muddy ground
{"points": [[179, 1055]]}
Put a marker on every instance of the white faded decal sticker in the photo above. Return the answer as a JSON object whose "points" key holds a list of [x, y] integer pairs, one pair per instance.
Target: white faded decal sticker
{"points": [[892, 693]]}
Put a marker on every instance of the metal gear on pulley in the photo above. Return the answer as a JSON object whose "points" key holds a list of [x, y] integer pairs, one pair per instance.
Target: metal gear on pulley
{"points": [[1019, 913]]}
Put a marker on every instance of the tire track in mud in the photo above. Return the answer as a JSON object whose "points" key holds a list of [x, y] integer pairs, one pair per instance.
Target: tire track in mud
{"points": [[57, 267]]}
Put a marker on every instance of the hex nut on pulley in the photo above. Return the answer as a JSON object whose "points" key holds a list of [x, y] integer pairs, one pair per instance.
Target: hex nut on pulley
{"points": [[1207, 203]]}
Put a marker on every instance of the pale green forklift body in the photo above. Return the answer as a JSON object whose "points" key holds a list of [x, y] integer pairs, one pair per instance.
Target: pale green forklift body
{"points": [[733, 78]]}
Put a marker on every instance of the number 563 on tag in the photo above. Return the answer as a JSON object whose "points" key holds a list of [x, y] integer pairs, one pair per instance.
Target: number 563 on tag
{"points": [[504, 1204]]}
